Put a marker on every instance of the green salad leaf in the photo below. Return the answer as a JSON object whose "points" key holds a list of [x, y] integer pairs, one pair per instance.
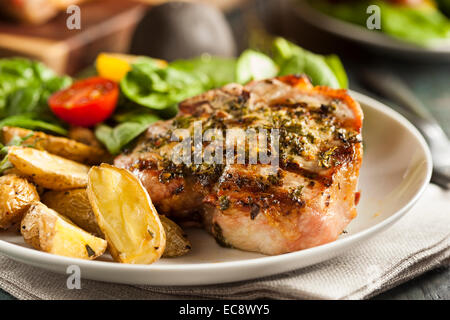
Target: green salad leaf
{"points": [[335, 64], [149, 91], [254, 65], [423, 25], [5, 164], [214, 72], [323, 70], [131, 126], [25, 87], [27, 121], [159, 88]]}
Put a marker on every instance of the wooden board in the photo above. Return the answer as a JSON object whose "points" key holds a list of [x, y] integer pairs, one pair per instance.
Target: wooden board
{"points": [[106, 25]]}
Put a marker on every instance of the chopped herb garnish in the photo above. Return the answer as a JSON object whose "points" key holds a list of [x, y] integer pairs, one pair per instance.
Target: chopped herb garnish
{"points": [[296, 194], [325, 157]]}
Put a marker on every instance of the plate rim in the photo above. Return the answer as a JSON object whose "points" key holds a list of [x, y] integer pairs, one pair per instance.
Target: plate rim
{"points": [[358, 33], [34, 257]]}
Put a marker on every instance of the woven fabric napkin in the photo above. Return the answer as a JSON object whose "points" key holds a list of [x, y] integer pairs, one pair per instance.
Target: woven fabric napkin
{"points": [[418, 242]]}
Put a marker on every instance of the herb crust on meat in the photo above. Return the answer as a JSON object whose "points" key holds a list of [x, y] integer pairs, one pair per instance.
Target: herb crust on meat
{"points": [[306, 201]]}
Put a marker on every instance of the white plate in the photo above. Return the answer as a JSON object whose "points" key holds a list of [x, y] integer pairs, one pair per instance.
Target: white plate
{"points": [[396, 169], [371, 38]]}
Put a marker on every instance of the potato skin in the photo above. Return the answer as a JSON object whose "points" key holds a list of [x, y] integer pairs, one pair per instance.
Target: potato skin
{"points": [[74, 204], [63, 147], [16, 196], [29, 227], [48, 231], [48, 170], [177, 243], [126, 215]]}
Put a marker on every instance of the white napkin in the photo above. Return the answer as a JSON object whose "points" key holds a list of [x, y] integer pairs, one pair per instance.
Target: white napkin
{"points": [[418, 242]]}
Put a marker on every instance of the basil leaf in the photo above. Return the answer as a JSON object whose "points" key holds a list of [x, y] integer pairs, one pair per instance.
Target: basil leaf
{"points": [[116, 138], [254, 65]]}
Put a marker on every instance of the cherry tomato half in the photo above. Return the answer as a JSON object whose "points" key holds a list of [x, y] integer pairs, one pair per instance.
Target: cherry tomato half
{"points": [[87, 102]]}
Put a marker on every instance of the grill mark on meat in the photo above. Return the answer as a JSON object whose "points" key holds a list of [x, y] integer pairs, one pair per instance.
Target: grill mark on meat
{"points": [[326, 180], [310, 198]]}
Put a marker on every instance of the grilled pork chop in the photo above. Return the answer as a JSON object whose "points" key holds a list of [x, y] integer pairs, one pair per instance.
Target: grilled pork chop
{"points": [[305, 201]]}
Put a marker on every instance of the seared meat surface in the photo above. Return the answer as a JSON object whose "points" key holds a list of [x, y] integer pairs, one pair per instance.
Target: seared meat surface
{"points": [[305, 200]]}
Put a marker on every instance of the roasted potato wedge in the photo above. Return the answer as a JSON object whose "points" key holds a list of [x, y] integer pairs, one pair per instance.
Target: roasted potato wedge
{"points": [[48, 170], [177, 243], [48, 231], [60, 146], [16, 196], [126, 215], [73, 204]]}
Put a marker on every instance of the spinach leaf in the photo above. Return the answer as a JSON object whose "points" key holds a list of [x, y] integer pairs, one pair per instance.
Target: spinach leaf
{"points": [[159, 88], [24, 100], [5, 164], [323, 70], [25, 87], [214, 72], [254, 65], [335, 64], [27, 122], [423, 25], [132, 125]]}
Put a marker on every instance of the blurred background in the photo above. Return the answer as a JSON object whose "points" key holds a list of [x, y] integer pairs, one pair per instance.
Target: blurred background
{"points": [[172, 30]]}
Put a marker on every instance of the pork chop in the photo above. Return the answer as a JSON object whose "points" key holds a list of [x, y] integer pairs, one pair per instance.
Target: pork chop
{"points": [[305, 200]]}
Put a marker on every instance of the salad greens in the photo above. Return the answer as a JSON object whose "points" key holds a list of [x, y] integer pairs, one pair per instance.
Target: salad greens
{"points": [[423, 25], [122, 134], [25, 87], [254, 65], [159, 88], [5, 164], [150, 91], [323, 70], [213, 71]]}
